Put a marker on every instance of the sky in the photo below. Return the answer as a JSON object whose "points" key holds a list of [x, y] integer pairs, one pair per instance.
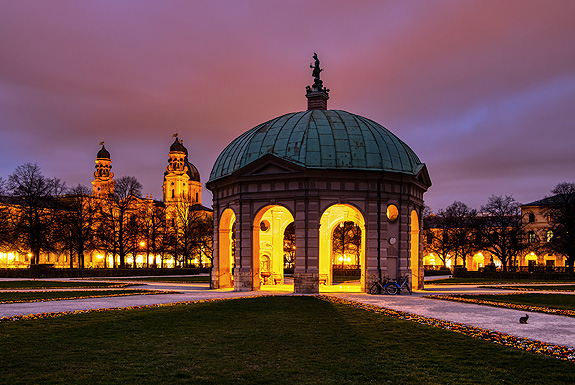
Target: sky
{"points": [[483, 91]]}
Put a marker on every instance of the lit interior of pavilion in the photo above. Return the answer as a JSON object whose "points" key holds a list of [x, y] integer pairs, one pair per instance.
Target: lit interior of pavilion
{"points": [[341, 249]]}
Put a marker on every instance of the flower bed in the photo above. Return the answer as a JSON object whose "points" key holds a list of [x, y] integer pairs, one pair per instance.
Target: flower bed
{"points": [[557, 351], [126, 293]]}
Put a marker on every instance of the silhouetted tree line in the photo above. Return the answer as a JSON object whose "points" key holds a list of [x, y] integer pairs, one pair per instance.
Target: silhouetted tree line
{"points": [[40, 215], [347, 241], [499, 228]]}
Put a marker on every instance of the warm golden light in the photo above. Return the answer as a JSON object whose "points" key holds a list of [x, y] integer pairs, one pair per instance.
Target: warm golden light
{"points": [[392, 213]]}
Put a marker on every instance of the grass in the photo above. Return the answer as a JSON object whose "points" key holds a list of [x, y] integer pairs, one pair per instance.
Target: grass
{"points": [[268, 340], [555, 301], [7, 285], [26, 296], [484, 281]]}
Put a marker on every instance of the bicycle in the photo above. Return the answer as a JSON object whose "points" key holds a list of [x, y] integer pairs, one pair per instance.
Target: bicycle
{"points": [[379, 286], [394, 287]]}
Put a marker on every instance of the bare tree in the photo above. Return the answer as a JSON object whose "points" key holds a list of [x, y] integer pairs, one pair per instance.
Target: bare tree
{"points": [[153, 230], [37, 199], [437, 232], [203, 235], [347, 240], [78, 217], [560, 212], [193, 233], [5, 218], [289, 246], [461, 220], [502, 229], [117, 228]]}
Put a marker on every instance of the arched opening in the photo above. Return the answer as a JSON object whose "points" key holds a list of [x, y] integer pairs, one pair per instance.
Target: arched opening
{"points": [[531, 260], [478, 261], [342, 246], [269, 228], [416, 273], [226, 250]]}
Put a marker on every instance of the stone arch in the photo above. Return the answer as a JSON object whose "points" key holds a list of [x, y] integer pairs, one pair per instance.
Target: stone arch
{"points": [[268, 230], [531, 260], [225, 263], [332, 217], [415, 265]]}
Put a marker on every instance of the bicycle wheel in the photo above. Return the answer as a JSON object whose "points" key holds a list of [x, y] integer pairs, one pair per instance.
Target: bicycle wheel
{"points": [[374, 289], [392, 289], [408, 288]]}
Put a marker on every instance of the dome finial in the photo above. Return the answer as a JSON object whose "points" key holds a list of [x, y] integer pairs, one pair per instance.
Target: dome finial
{"points": [[317, 95], [317, 82]]}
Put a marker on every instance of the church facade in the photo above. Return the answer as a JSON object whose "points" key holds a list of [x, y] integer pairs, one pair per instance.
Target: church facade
{"points": [[179, 210]]}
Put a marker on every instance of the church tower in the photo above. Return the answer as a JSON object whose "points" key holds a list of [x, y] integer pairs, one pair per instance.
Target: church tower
{"points": [[181, 179], [103, 183]]}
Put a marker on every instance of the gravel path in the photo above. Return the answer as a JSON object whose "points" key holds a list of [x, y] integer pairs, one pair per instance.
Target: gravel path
{"points": [[558, 330]]}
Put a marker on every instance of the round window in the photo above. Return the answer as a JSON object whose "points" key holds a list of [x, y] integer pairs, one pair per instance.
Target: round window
{"points": [[392, 213], [264, 226]]}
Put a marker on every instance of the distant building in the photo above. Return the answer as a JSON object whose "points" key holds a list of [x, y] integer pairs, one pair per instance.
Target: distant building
{"points": [[180, 207], [534, 257], [538, 233]]}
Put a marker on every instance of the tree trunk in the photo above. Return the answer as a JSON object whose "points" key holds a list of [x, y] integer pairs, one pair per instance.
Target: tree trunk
{"points": [[569, 265]]}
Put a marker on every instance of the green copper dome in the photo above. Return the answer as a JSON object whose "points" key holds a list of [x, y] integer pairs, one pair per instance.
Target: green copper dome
{"points": [[320, 139]]}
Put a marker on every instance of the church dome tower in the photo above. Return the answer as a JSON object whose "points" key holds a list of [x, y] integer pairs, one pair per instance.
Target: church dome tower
{"points": [[181, 178], [103, 182]]}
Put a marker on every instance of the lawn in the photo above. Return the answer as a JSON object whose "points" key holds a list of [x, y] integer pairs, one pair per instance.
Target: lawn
{"points": [[267, 340], [555, 301], [8, 285], [28, 296]]}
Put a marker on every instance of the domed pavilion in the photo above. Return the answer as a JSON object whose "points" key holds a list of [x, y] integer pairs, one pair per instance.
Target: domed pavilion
{"points": [[318, 169]]}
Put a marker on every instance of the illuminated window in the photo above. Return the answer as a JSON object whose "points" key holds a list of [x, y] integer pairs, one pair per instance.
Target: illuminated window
{"points": [[548, 235], [531, 237], [392, 213]]}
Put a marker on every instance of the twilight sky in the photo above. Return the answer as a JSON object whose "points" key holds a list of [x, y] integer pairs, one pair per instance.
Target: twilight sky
{"points": [[483, 91]]}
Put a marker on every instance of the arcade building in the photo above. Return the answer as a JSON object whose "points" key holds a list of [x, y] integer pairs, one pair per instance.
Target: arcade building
{"points": [[316, 170]]}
